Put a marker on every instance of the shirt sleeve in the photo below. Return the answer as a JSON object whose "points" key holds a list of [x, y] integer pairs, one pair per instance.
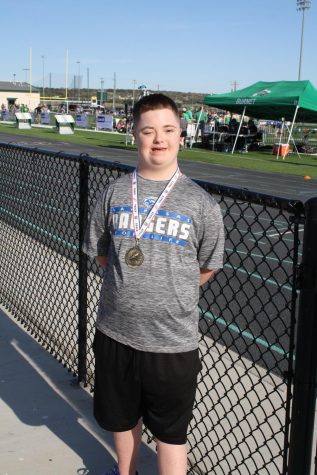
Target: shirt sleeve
{"points": [[97, 235], [212, 236]]}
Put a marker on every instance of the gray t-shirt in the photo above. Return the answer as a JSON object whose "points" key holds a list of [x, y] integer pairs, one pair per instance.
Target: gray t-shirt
{"points": [[154, 307]]}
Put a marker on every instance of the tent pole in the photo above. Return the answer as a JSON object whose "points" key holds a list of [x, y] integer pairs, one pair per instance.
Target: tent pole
{"points": [[213, 135], [290, 132], [240, 125], [196, 128], [295, 146], [280, 141]]}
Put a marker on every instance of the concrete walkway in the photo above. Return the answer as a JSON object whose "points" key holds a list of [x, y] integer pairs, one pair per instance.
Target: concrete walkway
{"points": [[46, 422], [47, 427]]}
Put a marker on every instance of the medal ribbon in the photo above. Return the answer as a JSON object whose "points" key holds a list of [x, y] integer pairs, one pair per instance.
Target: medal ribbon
{"points": [[140, 230]]}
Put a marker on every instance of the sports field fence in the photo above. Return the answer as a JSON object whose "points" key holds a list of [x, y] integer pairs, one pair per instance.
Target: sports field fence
{"points": [[255, 405], [303, 138]]}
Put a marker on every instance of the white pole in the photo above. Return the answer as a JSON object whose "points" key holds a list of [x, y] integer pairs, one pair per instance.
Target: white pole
{"points": [[197, 125], [133, 94], [114, 92], [66, 78], [291, 130], [30, 72], [294, 143], [43, 57], [240, 125], [280, 141], [213, 128], [301, 46]]}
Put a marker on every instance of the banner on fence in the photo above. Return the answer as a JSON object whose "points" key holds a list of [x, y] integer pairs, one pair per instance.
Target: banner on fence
{"points": [[45, 118], [81, 120], [104, 121]]}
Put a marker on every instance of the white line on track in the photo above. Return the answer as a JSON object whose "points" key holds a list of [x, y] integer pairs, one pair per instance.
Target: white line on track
{"points": [[283, 234]]}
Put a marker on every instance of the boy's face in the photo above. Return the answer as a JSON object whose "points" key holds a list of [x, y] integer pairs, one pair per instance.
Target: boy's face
{"points": [[157, 134]]}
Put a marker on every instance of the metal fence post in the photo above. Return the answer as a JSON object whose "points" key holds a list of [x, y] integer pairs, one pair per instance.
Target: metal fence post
{"points": [[303, 408], [82, 268]]}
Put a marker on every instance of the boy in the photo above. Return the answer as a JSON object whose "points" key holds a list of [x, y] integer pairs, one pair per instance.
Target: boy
{"points": [[158, 236]]}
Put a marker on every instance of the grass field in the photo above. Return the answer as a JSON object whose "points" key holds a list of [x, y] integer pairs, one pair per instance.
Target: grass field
{"points": [[257, 161]]}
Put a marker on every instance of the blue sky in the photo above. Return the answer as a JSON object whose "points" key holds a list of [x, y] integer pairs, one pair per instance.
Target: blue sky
{"points": [[198, 46]]}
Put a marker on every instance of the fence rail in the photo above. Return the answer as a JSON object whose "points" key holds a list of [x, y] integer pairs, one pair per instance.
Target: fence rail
{"points": [[256, 391]]}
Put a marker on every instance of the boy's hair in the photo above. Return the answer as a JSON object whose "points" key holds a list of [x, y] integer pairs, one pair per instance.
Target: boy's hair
{"points": [[153, 102]]}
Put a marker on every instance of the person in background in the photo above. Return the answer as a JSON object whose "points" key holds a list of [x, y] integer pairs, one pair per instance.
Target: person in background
{"points": [[188, 115], [200, 117], [183, 126], [233, 126], [252, 128]]}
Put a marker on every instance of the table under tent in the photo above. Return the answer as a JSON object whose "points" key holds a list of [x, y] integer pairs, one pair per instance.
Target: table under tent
{"points": [[285, 101]]}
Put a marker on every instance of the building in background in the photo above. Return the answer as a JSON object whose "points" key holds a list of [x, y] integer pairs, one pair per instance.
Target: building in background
{"points": [[18, 93]]}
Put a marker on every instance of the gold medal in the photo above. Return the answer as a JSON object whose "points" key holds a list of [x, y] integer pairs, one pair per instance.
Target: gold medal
{"points": [[134, 257]]}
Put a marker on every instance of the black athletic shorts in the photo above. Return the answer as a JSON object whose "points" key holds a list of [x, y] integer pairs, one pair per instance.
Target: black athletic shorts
{"points": [[159, 387]]}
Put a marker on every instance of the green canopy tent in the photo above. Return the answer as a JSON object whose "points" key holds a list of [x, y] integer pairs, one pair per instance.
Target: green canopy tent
{"points": [[288, 100]]}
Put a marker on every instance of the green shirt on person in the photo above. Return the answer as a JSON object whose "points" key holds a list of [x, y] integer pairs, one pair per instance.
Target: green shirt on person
{"points": [[200, 116], [188, 115]]}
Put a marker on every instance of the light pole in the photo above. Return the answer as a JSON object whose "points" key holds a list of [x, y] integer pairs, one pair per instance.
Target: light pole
{"points": [[26, 73], [43, 87], [78, 62], [101, 90], [14, 78], [133, 95], [302, 5], [114, 92]]}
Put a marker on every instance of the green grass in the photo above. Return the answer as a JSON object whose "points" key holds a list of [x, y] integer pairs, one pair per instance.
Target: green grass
{"points": [[257, 161], [80, 137]]}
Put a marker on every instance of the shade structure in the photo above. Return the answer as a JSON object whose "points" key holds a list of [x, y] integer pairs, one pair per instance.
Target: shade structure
{"points": [[271, 100]]}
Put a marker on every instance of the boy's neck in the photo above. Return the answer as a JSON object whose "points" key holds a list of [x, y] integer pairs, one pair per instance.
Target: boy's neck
{"points": [[157, 175]]}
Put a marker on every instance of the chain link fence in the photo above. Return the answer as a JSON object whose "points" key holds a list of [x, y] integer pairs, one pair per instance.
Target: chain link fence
{"points": [[244, 409]]}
